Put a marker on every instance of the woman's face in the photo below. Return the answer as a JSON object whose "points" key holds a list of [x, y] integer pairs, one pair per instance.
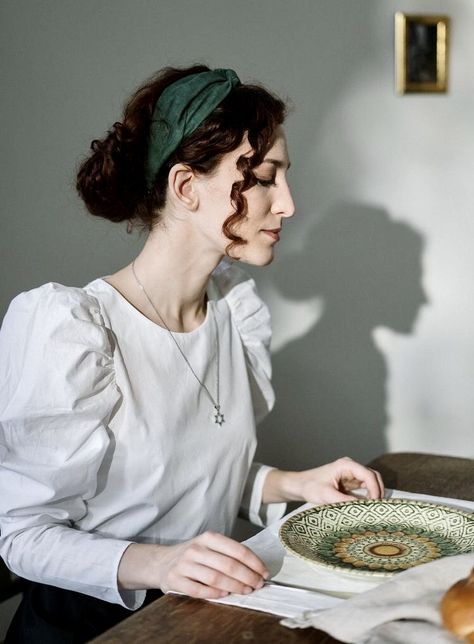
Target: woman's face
{"points": [[269, 202]]}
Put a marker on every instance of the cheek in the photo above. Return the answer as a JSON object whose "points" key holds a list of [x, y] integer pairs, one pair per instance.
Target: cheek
{"points": [[257, 211]]}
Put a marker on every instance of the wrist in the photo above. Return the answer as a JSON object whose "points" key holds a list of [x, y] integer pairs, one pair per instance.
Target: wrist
{"points": [[139, 567], [281, 486]]}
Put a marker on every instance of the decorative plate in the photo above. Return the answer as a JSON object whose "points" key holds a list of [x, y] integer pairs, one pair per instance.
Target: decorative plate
{"points": [[377, 537]]}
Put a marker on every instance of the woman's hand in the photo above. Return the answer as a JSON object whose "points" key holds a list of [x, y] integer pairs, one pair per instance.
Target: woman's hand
{"points": [[326, 484], [209, 566]]}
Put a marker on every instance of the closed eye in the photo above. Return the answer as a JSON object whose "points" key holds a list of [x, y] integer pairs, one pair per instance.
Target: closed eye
{"points": [[266, 182]]}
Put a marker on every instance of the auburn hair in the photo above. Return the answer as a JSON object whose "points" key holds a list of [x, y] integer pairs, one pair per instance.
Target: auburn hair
{"points": [[111, 180]]}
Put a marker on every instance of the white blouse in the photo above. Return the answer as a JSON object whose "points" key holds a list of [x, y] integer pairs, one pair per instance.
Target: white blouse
{"points": [[107, 438]]}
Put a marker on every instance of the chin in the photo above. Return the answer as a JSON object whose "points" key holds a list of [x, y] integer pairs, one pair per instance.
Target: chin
{"points": [[261, 259], [255, 254]]}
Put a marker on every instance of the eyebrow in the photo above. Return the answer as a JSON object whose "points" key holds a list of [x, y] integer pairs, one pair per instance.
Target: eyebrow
{"points": [[277, 163]]}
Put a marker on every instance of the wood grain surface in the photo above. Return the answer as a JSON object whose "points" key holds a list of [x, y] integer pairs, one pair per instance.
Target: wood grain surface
{"points": [[182, 620], [428, 474]]}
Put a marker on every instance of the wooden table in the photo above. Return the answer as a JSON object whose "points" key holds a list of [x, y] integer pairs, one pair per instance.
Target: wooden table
{"points": [[178, 620]]}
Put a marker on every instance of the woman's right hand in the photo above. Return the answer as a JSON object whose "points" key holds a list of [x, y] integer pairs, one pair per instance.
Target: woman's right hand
{"points": [[209, 566]]}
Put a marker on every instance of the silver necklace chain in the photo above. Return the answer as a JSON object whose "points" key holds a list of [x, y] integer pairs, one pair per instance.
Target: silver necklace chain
{"points": [[218, 415]]}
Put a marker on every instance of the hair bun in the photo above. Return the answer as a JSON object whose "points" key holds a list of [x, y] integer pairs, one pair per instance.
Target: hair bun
{"points": [[111, 181]]}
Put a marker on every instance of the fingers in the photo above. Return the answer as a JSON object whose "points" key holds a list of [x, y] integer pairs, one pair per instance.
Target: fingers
{"points": [[351, 484], [199, 591], [218, 580], [237, 551], [368, 478], [373, 483], [236, 569], [380, 481], [331, 495], [212, 566]]}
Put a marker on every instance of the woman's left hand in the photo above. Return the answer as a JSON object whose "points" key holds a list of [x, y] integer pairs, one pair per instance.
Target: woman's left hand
{"points": [[329, 483]]}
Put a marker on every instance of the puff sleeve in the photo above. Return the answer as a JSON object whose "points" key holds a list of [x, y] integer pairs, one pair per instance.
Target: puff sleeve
{"points": [[57, 394], [252, 319]]}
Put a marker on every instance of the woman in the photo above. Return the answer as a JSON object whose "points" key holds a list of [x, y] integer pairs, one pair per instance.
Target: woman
{"points": [[129, 406]]}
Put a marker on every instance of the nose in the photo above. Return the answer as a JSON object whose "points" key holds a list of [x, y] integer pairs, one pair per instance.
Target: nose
{"points": [[284, 204]]}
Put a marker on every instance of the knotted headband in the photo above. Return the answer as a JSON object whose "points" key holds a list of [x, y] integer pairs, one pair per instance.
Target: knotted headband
{"points": [[181, 108]]}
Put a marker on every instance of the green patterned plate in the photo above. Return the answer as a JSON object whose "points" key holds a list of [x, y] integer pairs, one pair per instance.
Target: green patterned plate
{"points": [[379, 537]]}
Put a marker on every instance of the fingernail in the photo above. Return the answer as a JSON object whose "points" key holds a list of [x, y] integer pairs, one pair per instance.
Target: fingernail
{"points": [[260, 584], [266, 574], [247, 590]]}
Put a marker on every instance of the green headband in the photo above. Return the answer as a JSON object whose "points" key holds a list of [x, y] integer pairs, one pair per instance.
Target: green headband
{"points": [[181, 108]]}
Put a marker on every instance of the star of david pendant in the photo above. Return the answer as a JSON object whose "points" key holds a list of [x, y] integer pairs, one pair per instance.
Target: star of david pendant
{"points": [[218, 416]]}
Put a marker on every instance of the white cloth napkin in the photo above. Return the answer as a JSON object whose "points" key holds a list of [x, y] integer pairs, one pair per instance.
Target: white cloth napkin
{"points": [[320, 588], [404, 610], [283, 601]]}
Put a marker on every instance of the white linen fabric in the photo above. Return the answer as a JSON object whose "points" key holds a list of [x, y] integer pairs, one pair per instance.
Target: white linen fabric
{"points": [[106, 437], [403, 610], [319, 588]]}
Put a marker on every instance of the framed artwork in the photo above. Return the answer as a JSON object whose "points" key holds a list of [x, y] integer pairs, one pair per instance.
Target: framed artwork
{"points": [[421, 53]]}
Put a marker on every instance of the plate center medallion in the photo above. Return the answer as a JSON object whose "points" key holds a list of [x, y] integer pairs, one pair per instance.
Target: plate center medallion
{"points": [[387, 550]]}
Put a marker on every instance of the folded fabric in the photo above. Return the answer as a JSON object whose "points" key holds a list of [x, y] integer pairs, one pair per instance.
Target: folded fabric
{"points": [[282, 600], [311, 587], [403, 610]]}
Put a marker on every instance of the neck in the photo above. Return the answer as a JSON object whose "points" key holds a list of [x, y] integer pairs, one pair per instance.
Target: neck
{"points": [[175, 272]]}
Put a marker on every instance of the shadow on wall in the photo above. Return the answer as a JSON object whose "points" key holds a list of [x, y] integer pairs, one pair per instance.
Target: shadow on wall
{"points": [[330, 383]]}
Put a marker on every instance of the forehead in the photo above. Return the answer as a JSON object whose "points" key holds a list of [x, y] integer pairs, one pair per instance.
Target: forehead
{"points": [[277, 152]]}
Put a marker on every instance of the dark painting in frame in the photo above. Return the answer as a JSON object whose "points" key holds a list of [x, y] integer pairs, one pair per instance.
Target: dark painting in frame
{"points": [[421, 53]]}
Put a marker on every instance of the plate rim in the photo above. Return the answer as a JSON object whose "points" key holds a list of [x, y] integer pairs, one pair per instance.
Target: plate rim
{"points": [[358, 572]]}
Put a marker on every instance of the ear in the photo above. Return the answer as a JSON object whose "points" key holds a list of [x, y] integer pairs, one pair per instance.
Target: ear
{"points": [[181, 186]]}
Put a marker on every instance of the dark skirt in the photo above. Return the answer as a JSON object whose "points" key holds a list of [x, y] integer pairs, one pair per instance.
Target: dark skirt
{"points": [[50, 615]]}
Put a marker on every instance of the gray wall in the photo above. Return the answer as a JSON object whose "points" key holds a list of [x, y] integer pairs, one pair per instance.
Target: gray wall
{"points": [[371, 291], [68, 66]]}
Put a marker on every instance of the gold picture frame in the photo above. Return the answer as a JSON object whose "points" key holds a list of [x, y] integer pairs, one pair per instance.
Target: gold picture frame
{"points": [[421, 53]]}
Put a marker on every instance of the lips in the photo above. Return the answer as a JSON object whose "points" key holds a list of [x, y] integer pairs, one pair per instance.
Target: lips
{"points": [[274, 233]]}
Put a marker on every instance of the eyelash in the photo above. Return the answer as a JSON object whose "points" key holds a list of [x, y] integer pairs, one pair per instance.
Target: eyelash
{"points": [[266, 182]]}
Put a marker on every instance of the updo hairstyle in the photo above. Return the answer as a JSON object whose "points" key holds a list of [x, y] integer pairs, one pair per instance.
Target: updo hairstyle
{"points": [[111, 181]]}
